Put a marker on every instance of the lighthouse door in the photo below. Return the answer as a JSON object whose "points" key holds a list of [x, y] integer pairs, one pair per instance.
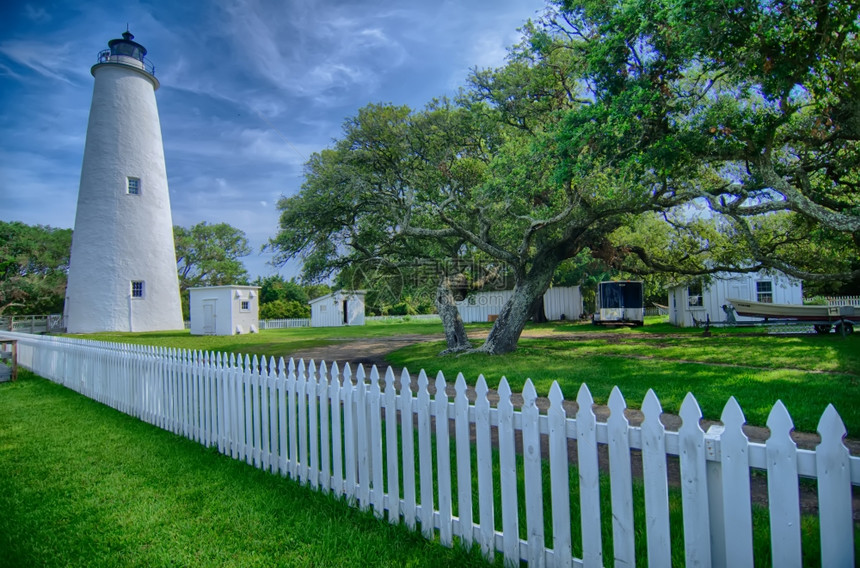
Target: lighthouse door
{"points": [[209, 317]]}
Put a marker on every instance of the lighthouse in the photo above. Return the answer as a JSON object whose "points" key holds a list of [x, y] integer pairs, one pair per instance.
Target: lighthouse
{"points": [[122, 272]]}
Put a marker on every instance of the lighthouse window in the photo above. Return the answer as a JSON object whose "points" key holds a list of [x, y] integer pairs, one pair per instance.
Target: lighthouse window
{"points": [[137, 288], [133, 186]]}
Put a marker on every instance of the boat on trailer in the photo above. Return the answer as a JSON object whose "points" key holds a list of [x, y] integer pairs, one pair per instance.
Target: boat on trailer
{"points": [[822, 317]]}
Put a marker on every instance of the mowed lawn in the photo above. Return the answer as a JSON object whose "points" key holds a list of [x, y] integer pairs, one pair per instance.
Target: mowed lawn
{"points": [[271, 342], [806, 372], [83, 485]]}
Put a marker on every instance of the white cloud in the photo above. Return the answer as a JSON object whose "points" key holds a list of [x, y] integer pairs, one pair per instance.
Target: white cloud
{"points": [[45, 58], [38, 15]]}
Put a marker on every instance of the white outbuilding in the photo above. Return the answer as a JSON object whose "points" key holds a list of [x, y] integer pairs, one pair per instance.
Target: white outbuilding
{"points": [[559, 302], [224, 310], [692, 303], [345, 307]]}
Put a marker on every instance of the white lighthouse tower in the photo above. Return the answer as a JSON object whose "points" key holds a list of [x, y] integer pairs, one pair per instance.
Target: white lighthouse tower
{"points": [[122, 273]]}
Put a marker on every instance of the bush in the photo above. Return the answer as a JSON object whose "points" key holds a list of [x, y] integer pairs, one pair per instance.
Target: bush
{"points": [[284, 309]]}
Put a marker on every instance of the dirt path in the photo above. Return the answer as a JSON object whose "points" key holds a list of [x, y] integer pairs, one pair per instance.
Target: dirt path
{"points": [[372, 351]]}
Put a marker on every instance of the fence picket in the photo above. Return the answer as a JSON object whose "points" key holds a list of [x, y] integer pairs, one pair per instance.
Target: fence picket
{"points": [[236, 419], [443, 461], [407, 437], [486, 533], [463, 448], [361, 435], [559, 478], [292, 418], [337, 432], [248, 432], [350, 465], [782, 490], [324, 421], [282, 417], [425, 458], [532, 462], [621, 481], [313, 425], [834, 492], [508, 476], [302, 401], [376, 467], [694, 489], [391, 447], [589, 479], [734, 446], [656, 482], [265, 446], [256, 409], [274, 431]]}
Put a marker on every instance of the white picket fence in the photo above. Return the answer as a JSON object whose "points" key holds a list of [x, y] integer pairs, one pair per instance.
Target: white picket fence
{"points": [[285, 323], [417, 317], [334, 430], [844, 301]]}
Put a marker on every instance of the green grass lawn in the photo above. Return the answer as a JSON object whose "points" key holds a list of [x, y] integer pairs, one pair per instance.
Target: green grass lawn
{"points": [[805, 372], [271, 342], [83, 485]]}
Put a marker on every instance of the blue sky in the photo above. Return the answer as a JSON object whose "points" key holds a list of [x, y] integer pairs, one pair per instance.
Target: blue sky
{"points": [[249, 89]]}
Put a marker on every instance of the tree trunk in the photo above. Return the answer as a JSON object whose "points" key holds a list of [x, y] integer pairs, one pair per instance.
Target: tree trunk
{"points": [[455, 331], [528, 291]]}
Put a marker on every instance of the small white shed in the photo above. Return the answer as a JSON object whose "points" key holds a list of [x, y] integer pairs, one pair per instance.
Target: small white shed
{"points": [[691, 303], [224, 310], [338, 308], [557, 302]]}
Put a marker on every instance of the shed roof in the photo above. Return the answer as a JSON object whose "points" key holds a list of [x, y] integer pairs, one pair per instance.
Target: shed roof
{"points": [[339, 293]]}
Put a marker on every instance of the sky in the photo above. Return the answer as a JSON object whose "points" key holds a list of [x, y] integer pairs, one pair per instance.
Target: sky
{"points": [[249, 90]]}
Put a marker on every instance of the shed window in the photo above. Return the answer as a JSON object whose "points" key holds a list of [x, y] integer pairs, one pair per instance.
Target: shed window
{"points": [[764, 291], [137, 288], [694, 295], [246, 306], [133, 186], [322, 307]]}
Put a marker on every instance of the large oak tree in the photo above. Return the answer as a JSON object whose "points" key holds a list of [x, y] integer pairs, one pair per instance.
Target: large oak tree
{"points": [[733, 125]]}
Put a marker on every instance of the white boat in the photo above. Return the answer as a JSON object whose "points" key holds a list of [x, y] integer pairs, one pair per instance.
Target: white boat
{"points": [[791, 311]]}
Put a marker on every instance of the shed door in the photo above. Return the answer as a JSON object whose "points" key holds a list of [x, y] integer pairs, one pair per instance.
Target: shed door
{"points": [[209, 317]]}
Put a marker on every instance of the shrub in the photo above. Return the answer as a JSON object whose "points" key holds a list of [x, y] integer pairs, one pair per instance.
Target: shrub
{"points": [[284, 309]]}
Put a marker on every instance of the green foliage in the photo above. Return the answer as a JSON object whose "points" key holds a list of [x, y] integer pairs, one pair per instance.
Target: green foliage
{"points": [[208, 255], [34, 264], [682, 138], [275, 287], [750, 105], [284, 309]]}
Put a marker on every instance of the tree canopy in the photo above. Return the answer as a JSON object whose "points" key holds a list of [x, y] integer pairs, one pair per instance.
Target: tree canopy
{"points": [[676, 137], [209, 255], [34, 264]]}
